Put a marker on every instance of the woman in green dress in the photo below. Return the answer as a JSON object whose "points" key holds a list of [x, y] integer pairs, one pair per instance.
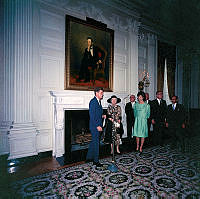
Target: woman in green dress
{"points": [[142, 113]]}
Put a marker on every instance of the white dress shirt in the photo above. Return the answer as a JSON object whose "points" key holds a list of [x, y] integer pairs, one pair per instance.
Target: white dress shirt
{"points": [[159, 101]]}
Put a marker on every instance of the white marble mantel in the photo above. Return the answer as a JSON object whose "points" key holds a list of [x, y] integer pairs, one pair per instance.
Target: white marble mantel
{"points": [[75, 100]]}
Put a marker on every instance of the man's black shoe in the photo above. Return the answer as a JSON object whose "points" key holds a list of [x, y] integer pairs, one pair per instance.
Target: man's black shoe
{"points": [[97, 164]]}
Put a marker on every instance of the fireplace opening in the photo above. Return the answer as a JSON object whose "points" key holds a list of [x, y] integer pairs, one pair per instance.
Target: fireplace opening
{"points": [[77, 133]]}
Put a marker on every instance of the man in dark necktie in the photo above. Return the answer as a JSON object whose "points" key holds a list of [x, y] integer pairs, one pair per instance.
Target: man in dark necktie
{"points": [[130, 119], [175, 121], [150, 134], [158, 116], [96, 115]]}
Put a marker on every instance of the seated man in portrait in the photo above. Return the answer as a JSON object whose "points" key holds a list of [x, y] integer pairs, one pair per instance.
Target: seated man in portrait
{"points": [[93, 59]]}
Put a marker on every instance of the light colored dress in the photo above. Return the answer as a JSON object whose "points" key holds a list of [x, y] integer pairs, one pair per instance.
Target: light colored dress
{"points": [[141, 113]]}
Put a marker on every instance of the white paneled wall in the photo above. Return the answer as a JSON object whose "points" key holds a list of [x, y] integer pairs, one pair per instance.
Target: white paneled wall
{"points": [[34, 64], [50, 70]]}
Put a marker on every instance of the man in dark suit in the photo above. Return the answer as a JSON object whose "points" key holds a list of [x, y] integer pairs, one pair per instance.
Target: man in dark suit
{"points": [[96, 115], [158, 116], [130, 119], [150, 134], [175, 121], [93, 57]]}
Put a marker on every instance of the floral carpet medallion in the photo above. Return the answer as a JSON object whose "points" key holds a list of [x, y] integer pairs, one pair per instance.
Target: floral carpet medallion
{"points": [[178, 158], [164, 163], [143, 170], [145, 155], [126, 161], [186, 173], [139, 192], [156, 173], [166, 183], [74, 176], [118, 179], [86, 190], [161, 150]]}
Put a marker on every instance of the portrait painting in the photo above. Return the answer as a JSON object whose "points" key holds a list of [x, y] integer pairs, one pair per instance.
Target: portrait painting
{"points": [[88, 55]]}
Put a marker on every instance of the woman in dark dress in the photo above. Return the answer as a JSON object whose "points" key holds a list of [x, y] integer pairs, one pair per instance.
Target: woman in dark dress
{"points": [[114, 116]]}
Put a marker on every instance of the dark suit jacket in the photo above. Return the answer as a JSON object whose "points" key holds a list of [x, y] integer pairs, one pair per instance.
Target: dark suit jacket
{"points": [[129, 113], [150, 117], [175, 118], [89, 60], [150, 103], [95, 112], [159, 112]]}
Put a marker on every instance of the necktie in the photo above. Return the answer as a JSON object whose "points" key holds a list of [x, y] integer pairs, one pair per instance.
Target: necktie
{"points": [[173, 106], [99, 102]]}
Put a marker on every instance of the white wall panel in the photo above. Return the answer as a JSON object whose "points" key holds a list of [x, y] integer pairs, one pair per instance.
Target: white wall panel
{"points": [[50, 71], [51, 21], [142, 51], [120, 58], [4, 147], [44, 109], [51, 43], [22, 145], [44, 140], [51, 33], [120, 76], [121, 42], [121, 61]]}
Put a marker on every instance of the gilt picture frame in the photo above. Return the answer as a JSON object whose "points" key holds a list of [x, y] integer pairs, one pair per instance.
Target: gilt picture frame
{"points": [[89, 47]]}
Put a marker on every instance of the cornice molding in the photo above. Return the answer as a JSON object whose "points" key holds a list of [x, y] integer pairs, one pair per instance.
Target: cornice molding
{"points": [[123, 7], [89, 10], [113, 20]]}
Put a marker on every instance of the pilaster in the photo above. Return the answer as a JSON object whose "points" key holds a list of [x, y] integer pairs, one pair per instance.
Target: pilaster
{"points": [[152, 64], [18, 76], [133, 34], [18, 60]]}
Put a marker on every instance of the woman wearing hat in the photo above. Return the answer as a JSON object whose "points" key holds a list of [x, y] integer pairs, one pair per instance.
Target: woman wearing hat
{"points": [[114, 116]]}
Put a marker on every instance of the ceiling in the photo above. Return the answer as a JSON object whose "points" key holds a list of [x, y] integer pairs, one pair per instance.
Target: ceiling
{"points": [[180, 19]]}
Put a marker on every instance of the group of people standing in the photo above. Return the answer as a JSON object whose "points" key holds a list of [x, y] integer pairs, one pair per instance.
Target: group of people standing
{"points": [[141, 114], [167, 121]]}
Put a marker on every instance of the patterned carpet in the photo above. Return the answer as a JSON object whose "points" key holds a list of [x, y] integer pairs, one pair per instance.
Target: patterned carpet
{"points": [[158, 172]]}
